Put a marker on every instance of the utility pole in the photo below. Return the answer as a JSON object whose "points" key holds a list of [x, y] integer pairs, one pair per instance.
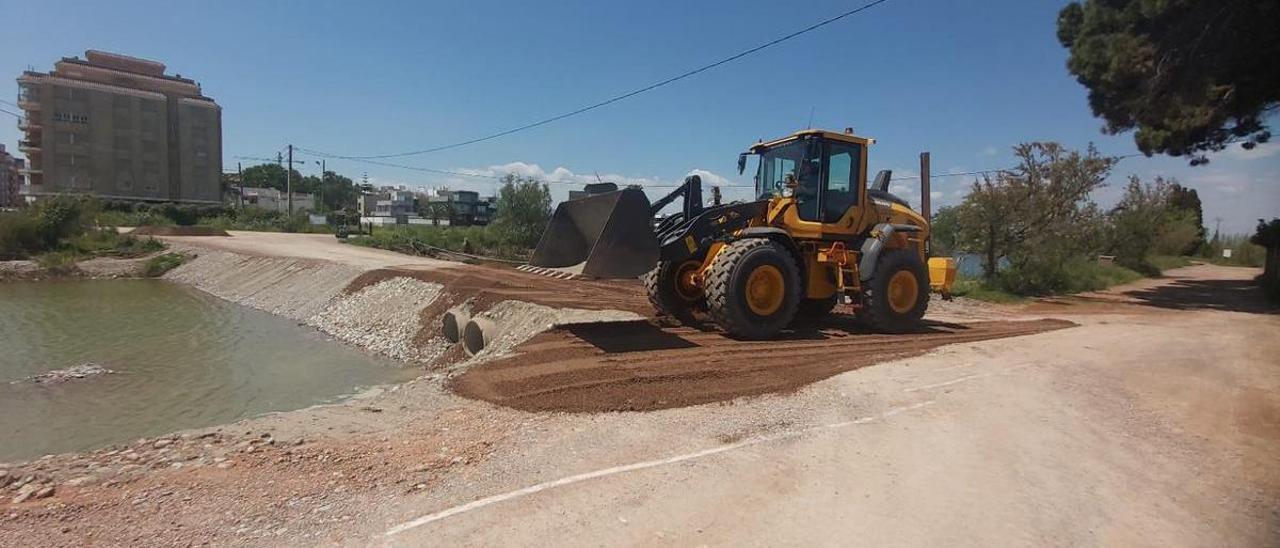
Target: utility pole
{"points": [[240, 178], [288, 180], [926, 210], [320, 189]]}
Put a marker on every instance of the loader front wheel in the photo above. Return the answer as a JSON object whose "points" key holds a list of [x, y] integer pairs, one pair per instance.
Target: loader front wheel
{"points": [[674, 290], [753, 288], [897, 295]]}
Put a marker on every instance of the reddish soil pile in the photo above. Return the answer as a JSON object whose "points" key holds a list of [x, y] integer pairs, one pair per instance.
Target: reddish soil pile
{"points": [[174, 230], [489, 285], [637, 366]]}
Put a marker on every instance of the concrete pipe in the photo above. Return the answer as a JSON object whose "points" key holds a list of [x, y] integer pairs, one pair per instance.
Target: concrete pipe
{"points": [[453, 322], [478, 333]]}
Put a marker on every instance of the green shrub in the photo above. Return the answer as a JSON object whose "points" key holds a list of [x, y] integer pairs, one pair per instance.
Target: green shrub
{"points": [[158, 265], [1069, 276], [421, 239], [58, 262], [19, 236], [1243, 253]]}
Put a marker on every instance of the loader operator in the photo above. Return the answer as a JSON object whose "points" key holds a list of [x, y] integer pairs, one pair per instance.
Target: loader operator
{"points": [[805, 185]]}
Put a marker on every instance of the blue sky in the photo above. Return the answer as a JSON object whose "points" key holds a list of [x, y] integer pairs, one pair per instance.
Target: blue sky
{"points": [[964, 80]]}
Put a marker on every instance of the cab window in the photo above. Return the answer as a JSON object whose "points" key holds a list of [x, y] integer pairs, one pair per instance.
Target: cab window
{"points": [[843, 169]]}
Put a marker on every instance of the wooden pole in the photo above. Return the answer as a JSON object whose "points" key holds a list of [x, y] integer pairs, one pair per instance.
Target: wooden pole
{"points": [[925, 207]]}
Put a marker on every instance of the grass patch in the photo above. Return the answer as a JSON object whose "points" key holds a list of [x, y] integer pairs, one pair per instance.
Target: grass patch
{"points": [[974, 288], [158, 265], [58, 261]]}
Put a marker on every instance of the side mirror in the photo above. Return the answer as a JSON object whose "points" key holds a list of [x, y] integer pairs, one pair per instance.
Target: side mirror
{"points": [[742, 163], [882, 180]]}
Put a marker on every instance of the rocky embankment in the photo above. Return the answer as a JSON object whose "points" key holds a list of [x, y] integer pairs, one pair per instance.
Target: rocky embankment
{"points": [[100, 268], [397, 316]]}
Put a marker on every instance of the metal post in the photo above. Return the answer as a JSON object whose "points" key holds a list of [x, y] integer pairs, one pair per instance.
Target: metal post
{"points": [[925, 209], [288, 181], [240, 178]]}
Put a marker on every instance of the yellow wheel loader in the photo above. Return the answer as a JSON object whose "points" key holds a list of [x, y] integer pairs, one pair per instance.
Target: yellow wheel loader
{"points": [[815, 232]]}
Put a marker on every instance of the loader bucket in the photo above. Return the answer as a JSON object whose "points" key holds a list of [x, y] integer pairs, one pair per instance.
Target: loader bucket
{"points": [[606, 235]]}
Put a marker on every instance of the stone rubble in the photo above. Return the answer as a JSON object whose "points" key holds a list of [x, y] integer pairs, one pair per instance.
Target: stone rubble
{"points": [[86, 369]]}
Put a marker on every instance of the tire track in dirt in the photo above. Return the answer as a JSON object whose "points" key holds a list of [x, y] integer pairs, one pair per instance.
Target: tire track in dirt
{"points": [[639, 366]]}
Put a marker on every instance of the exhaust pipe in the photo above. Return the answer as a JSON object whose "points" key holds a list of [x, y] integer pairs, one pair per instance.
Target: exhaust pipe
{"points": [[478, 333], [454, 322]]}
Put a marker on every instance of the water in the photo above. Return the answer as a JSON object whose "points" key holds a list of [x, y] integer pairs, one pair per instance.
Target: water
{"points": [[182, 359]]}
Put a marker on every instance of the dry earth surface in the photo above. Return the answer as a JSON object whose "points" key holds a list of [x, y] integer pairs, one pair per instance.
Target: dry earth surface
{"points": [[1144, 415]]}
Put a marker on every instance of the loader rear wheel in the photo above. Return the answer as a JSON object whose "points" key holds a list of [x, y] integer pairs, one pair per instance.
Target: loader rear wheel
{"points": [[753, 288], [897, 295], [674, 290]]}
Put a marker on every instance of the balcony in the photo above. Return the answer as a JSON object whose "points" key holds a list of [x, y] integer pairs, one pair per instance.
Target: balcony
{"points": [[26, 123], [29, 146], [28, 97]]}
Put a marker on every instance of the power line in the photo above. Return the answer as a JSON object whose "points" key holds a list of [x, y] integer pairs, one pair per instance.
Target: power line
{"points": [[629, 94], [458, 173], [10, 103], [15, 115], [1002, 170]]}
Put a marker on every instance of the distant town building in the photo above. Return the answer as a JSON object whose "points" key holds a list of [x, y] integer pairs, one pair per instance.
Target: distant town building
{"points": [[396, 203], [271, 199], [10, 178], [466, 207], [118, 127]]}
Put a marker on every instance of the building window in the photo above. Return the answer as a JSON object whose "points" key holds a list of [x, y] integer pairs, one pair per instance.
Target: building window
{"points": [[123, 143], [64, 137], [150, 106], [63, 160], [72, 117]]}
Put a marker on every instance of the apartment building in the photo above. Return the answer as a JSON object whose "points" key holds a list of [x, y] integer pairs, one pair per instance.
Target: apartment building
{"points": [[9, 178], [118, 127]]}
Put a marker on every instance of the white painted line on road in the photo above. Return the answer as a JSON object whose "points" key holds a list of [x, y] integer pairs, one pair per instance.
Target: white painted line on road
{"points": [[481, 503], [966, 378], [946, 383]]}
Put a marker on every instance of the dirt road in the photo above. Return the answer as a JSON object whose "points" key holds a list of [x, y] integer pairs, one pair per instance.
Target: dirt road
{"points": [[1151, 418], [304, 246]]}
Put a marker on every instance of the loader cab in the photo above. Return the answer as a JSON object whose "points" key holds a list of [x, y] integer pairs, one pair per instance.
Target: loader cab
{"points": [[814, 180]]}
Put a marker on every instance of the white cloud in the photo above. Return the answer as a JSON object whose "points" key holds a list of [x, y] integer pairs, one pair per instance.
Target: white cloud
{"points": [[1264, 150], [559, 175], [990, 150]]}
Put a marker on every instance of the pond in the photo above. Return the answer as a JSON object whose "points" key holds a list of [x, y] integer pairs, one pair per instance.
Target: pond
{"points": [[180, 359]]}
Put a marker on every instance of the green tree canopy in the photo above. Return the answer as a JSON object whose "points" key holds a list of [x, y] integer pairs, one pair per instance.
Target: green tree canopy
{"points": [[269, 176], [1190, 75], [1036, 215], [524, 207], [1187, 201]]}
